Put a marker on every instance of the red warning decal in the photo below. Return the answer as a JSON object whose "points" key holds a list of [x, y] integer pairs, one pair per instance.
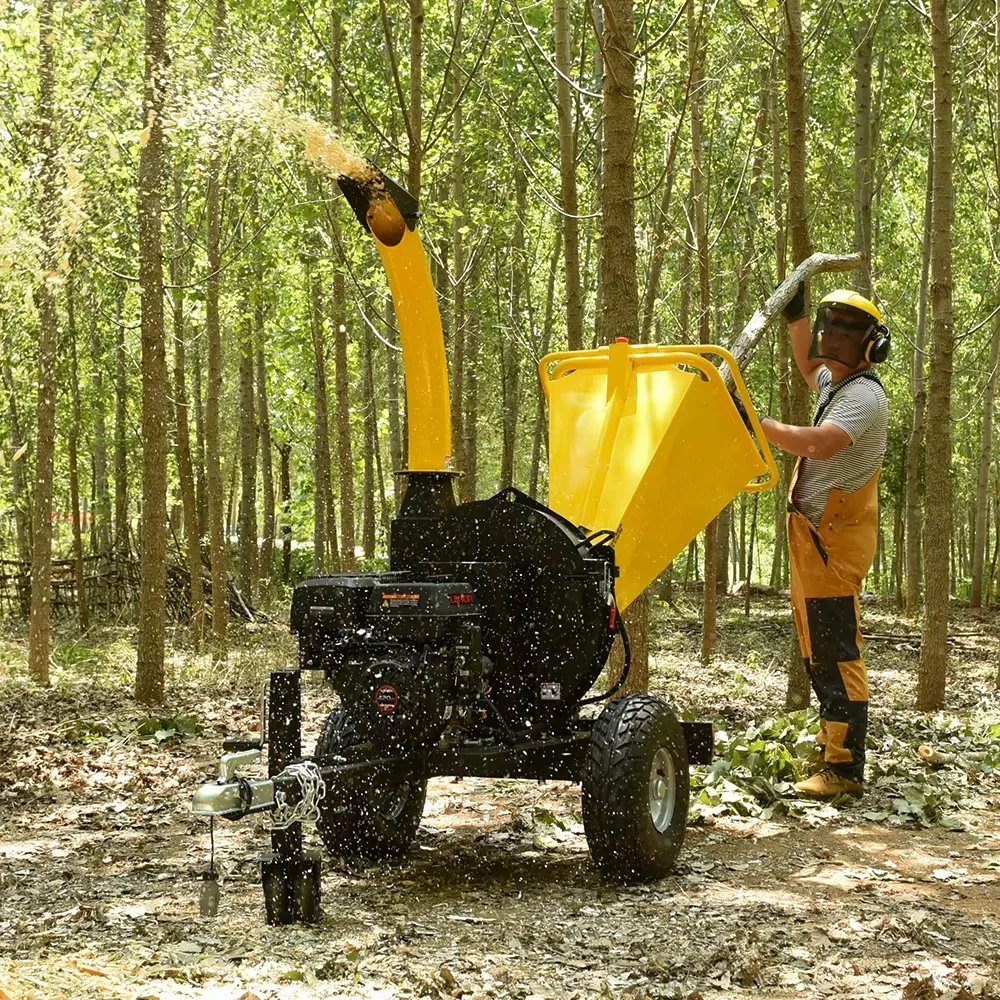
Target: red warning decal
{"points": [[386, 699], [462, 598]]}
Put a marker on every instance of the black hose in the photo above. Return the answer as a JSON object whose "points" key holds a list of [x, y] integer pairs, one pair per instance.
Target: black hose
{"points": [[626, 666], [503, 722]]}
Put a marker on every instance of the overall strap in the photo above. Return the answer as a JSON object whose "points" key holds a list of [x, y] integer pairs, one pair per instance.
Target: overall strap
{"points": [[866, 374]]}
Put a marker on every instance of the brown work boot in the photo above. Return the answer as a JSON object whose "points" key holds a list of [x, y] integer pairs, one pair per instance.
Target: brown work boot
{"points": [[816, 761], [828, 784]]}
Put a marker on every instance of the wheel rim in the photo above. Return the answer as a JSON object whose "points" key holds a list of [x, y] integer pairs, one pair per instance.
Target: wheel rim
{"points": [[395, 802], [662, 789]]}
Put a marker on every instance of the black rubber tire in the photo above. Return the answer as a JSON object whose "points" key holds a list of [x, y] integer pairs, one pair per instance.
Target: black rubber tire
{"points": [[374, 820], [625, 842]]}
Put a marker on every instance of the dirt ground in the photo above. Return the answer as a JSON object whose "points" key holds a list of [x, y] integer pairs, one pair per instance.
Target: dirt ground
{"points": [[100, 856]]}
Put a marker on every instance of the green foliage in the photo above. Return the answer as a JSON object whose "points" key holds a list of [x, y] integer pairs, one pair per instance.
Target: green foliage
{"points": [[159, 729], [755, 770]]}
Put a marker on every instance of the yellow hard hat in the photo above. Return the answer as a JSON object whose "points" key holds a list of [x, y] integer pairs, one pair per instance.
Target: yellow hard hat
{"points": [[846, 297], [849, 330]]}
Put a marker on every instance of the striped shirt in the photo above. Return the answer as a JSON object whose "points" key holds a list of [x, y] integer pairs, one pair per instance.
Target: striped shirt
{"points": [[862, 410]]}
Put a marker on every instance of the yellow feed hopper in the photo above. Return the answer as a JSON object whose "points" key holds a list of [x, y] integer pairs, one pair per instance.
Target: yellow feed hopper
{"points": [[645, 442]]}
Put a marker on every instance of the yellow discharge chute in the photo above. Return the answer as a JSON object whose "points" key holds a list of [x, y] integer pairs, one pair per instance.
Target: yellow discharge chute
{"points": [[424, 365], [644, 441]]}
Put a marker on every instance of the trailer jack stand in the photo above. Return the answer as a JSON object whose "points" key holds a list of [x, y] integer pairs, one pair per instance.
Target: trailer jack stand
{"points": [[290, 875], [291, 888]]}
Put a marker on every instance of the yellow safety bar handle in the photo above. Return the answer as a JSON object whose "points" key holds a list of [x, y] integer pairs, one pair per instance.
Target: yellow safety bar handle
{"points": [[650, 355]]}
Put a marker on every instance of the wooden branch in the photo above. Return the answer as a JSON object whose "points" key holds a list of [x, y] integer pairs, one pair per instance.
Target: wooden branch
{"points": [[934, 758], [744, 345]]}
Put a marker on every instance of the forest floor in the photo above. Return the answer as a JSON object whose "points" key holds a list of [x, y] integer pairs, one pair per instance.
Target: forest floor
{"points": [[895, 896]]}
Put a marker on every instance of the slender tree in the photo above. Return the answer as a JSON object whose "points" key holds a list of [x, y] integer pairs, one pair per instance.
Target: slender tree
{"points": [[48, 345], [185, 469], [123, 544], [100, 530], [863, 36], [567, 174], [414, 152], [989, 397], [339, 313], [458, 280], [915, 443], [797, 693], [153, 575], [73, 448], [509, 357], [247, 420], [266, 462], [620, 301], [215, 499], [934, 636], [699, 195]]}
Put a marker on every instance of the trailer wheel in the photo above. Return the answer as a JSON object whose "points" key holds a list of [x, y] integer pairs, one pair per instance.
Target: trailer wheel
{"points": [[375, 818], [636, 789]]}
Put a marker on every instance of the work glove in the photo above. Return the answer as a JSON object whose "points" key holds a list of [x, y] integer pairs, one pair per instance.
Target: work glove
{"points": [[796, 307], [741, 410]]}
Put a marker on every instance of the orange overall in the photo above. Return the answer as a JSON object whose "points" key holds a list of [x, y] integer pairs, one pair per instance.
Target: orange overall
{"points": [[828, 564]]}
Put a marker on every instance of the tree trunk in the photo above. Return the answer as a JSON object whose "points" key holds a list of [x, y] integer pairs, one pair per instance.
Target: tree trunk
{"points": [[414, 157], [322, 508], [247, 526], [100, 538], [915, 443], [540, 438], [122, 546], [458, 223], [153, 568], [696, 55], [392, 401], [199, 460], [39, 637], [595, 232], [370, 446], [779, 497], [982, 493], [934, 637], [266, 462], [73, 438], [470, 410], [510, 359], [981, 522], [798, 215], [863, 35], [17, 440], [567, 174], [285, 475], [215, 498], [345, 456], [897, 556], [797, 692], [620, 291], [345, 451], [185, 471]]}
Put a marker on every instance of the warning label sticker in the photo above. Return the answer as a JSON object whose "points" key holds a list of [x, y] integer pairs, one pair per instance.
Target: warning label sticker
{"points": [[400, 600]]}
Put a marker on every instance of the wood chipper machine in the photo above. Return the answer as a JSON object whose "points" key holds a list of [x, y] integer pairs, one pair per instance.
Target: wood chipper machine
{"points": [[475, 652]]}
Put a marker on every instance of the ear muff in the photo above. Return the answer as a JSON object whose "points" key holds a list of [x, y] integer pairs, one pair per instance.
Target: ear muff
{"points": [[879, 343]]}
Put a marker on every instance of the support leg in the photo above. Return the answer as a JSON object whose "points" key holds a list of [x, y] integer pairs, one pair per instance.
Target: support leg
{"points": [[290, 878]]}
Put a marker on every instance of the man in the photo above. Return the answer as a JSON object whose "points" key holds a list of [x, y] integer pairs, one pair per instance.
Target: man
{"points": [[833, 517]]}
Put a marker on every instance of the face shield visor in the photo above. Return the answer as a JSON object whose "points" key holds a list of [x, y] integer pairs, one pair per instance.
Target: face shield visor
{"points": [[841, 334]]}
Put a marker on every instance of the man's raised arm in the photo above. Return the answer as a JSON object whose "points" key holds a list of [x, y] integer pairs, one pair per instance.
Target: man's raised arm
{"points": [[798, 331]]}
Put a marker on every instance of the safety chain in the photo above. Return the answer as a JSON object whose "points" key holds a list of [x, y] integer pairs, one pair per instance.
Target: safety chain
{"points": [[312, 790]]}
